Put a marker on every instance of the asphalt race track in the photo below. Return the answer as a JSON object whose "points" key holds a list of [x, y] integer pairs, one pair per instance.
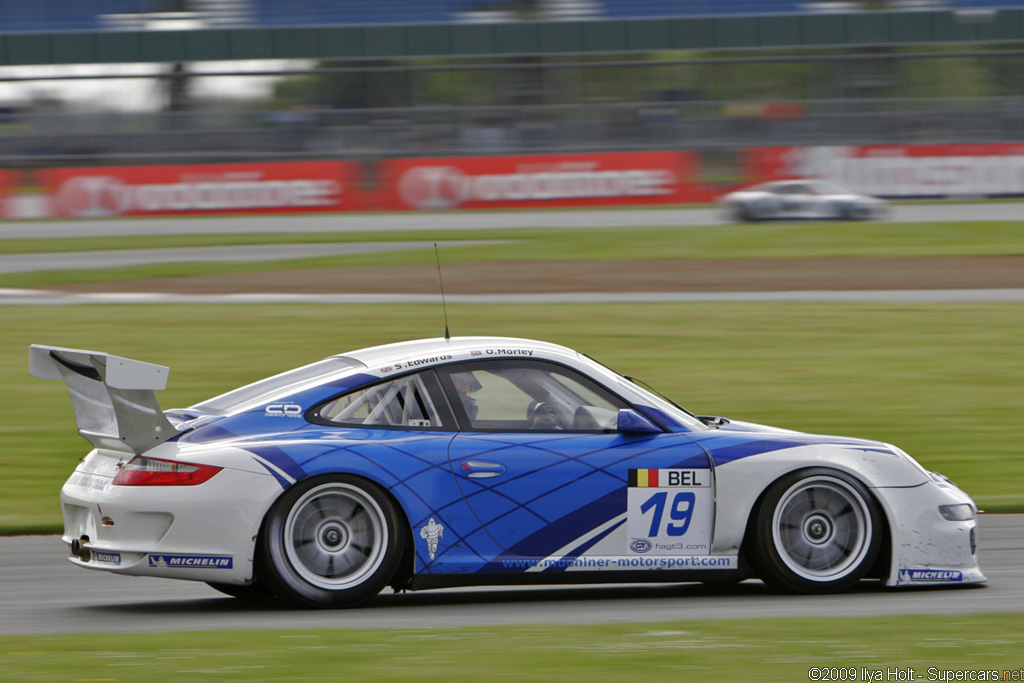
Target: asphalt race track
{"points": [[46, 594], [467, 220]]}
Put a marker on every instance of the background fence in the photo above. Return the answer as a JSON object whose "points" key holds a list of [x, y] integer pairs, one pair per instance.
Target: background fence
{"points": [[368, 111], [112, 138]]}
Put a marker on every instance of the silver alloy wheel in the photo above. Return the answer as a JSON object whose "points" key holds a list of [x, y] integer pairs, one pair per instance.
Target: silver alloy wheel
{"points": [[822, 528], [335, 536]]}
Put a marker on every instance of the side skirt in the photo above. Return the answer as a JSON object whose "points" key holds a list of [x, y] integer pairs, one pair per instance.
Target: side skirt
{"points": [[427, 581]]}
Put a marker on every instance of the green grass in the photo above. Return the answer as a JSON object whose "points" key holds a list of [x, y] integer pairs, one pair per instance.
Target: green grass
{"points": [[768, 240], [943, 381], [742, 650]]}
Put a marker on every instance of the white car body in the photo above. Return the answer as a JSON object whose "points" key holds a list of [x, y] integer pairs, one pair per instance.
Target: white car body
{"points": [[800, 199]]}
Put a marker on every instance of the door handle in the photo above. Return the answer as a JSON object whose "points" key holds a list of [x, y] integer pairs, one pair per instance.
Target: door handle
{"points": [[482, 469]]}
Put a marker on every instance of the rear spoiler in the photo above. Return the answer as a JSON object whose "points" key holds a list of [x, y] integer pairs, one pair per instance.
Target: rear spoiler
{"points": [[113, 397]]}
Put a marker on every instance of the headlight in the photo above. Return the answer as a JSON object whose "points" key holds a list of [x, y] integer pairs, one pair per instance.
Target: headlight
{"points": [[957, 513]]}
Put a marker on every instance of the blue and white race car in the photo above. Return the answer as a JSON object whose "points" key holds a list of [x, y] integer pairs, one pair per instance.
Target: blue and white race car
{"points": [[461, 461]]}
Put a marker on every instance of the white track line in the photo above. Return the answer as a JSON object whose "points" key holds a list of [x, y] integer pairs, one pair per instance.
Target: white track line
{"points": [[30, 297]]}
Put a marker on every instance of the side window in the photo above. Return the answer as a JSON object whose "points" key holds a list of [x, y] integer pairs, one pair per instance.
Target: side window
{"points": [[402, 402], [530, 396]]}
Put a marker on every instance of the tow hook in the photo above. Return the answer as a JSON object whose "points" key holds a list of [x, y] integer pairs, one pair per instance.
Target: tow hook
{"points": [[79, 550]]}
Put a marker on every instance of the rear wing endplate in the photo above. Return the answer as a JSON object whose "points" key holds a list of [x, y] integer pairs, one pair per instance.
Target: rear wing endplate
{"points": [[113, 397]]}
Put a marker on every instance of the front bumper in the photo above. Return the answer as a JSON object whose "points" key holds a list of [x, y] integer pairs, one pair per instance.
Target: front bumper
{"points": [[927, 549], [200, 533]]}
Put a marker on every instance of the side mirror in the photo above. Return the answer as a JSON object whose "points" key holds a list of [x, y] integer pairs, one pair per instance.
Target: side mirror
{"points": [[632, 422]]}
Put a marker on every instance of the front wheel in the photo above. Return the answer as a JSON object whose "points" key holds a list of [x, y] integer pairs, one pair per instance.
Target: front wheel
{"points": [[739, 213], [858, 212], [817, 531], [331, 541]]}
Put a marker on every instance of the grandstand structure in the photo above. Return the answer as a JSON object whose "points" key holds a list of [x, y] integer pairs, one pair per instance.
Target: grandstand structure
{"points": [[383, 78], [57, 16]]}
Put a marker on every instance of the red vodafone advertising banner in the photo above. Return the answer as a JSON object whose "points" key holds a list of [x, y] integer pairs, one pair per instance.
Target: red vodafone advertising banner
{"points": [[8, 183], [990, 170], [214, 188], [448, 183], [502, 182]]}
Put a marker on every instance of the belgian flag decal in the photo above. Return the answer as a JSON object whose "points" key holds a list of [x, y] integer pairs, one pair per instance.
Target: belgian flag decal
{"points": [[669, 478], [643, 479]]}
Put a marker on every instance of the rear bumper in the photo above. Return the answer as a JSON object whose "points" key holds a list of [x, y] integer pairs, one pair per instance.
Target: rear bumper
{"points": [[200, 533]]}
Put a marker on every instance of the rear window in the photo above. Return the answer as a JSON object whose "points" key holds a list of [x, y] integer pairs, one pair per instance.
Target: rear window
{"points": [[268, 389], [402, 402]]}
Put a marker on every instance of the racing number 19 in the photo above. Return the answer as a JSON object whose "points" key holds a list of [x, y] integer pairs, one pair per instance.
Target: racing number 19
{"points": [[680, 511]]}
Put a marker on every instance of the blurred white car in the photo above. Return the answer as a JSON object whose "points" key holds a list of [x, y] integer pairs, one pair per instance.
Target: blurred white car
{"points": [[800, 199]]}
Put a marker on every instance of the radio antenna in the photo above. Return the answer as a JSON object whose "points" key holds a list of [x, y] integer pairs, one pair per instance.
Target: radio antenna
{"points": [[440, 281]]}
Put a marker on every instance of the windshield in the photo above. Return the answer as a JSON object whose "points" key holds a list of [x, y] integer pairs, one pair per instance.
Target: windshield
{"points": [[272, 387], [680, 414], [652, 398], [829, 188]]}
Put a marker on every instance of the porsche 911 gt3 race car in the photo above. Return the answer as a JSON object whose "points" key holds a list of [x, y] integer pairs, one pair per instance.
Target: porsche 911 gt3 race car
{"points": [[800, 199], [462, 461]]}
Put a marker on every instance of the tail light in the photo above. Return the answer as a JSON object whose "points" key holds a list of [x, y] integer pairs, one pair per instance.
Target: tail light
{"points": [[143, 471]]}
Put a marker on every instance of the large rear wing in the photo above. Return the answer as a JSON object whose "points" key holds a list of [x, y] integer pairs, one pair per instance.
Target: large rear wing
{"points": [[113, 397]]}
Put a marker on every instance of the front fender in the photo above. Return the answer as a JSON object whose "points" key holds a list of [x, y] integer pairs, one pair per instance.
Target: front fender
{"points": [[741, 482]]}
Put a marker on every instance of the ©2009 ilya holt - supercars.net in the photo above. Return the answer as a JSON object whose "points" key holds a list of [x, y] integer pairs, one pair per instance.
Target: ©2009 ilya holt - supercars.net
{"points": [[465, 461]]}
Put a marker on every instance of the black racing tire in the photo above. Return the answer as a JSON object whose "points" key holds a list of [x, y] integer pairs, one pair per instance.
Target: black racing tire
{"points": [[854, 212], [739, 213], [331, 541], [749, 215], [254, 591], [816, 531]]}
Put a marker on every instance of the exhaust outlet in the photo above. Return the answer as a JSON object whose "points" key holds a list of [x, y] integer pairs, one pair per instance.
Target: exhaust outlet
{"points": [[79, 550]]}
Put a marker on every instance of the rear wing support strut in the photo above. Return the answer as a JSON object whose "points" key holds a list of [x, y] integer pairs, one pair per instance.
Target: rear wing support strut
{"points": [[113, 397]]}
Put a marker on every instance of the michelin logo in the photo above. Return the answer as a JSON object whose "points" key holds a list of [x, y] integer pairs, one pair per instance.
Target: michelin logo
{"points": [[432, 533], [912, 575], [106, 558], [193, 561]]}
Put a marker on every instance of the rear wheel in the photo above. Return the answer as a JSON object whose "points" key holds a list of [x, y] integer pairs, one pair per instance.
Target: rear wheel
{"points": [[332, 541], [756, 211], [817, 531]]}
